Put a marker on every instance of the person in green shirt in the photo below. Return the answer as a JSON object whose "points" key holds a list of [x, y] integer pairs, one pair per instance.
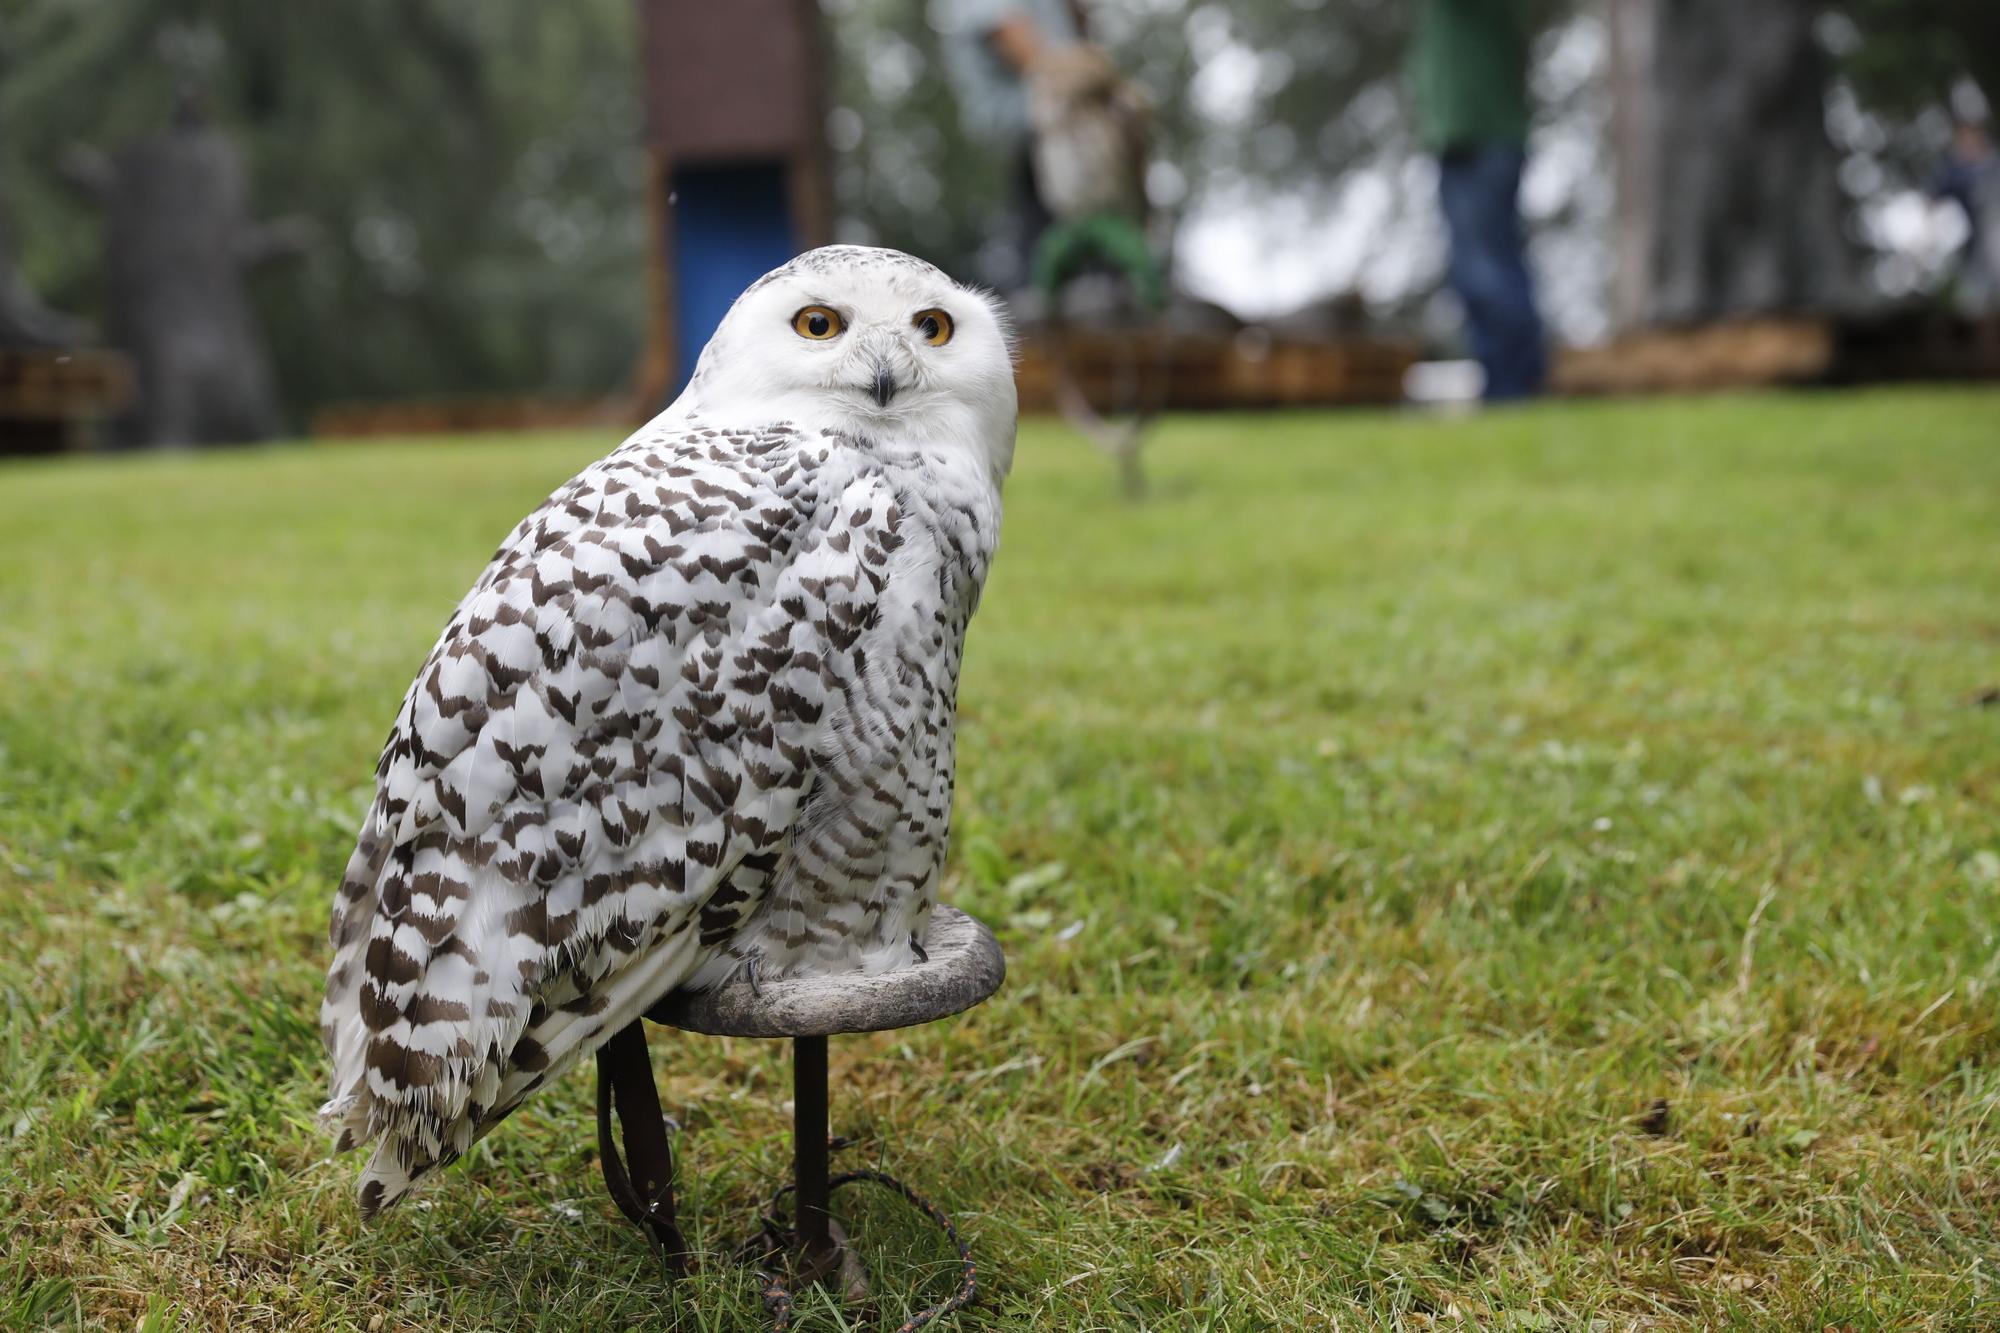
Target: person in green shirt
{"points": [[989, 47], [1469, 73]]}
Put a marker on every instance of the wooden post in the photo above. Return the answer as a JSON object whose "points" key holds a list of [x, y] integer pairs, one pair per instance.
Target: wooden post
{"points": [[1635, 149]]}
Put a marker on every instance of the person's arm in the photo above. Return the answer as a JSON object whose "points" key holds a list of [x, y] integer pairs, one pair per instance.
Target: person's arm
{"points": [[1016, 40]]}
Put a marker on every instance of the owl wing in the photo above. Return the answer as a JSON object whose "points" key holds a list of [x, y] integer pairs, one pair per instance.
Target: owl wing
{"points": [[593, 777]]}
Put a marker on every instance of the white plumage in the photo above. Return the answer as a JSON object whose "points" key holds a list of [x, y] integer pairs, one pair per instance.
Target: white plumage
{"points": [[696, 715]]}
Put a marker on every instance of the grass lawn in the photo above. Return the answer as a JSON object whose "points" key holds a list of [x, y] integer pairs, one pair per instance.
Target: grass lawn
{"points": [[1540, 871]]}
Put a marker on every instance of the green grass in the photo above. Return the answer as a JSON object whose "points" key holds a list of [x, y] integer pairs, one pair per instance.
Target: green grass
{"points": [[1541, 871]]}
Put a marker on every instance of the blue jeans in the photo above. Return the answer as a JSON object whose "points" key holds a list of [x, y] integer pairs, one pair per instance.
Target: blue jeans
{"points": [[1479, 188]]}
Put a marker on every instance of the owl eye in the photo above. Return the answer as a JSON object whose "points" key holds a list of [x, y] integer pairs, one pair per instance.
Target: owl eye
{"points": [[934, 325], [818, 323]]}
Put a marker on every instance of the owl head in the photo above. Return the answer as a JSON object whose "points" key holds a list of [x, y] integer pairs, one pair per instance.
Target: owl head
{"points": [[872, 342]]}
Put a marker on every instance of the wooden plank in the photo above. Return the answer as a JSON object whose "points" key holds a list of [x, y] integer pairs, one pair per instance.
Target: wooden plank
{"points": [[468, 416], [63, 386], [1214, 371], [1741, 354]]}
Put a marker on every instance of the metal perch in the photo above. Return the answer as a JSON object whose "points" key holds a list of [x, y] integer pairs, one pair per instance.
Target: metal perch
{"points": [[962, 967]]}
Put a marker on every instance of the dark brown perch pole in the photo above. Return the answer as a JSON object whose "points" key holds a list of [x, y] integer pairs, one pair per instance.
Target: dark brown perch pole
{"points": [[813, 1217]]}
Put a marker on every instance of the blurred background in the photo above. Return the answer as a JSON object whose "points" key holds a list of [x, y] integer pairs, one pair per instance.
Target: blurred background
{"points": [[226, 220]]}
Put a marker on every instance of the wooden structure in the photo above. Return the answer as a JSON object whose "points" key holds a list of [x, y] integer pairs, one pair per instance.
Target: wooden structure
{"points": [[735, 104], [56, 399], [467, 416], [1784, 350], [1249, 369], [1740, 354]]}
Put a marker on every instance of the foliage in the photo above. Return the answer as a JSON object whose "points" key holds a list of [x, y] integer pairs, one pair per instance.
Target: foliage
{"points": [[1513, 872], [1266, 100], [472, 171], [473, 167], [1302, 97], [1905, 55]]}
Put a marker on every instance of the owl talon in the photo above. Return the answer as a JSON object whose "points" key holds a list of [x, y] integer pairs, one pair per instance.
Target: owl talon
{"points": [[917, 948], [750, 975]]}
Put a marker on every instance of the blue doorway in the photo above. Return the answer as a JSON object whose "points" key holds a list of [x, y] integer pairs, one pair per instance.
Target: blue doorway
{"points": [[732, 225]]}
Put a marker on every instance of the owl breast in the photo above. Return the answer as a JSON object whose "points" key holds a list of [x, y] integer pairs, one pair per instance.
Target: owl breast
{"points": [[856, 885]]}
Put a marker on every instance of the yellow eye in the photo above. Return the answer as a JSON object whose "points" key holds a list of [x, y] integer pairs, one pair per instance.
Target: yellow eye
{"points": [[935, 325], [818, 323]]}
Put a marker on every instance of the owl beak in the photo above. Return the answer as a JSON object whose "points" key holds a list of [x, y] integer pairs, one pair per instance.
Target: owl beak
{"points": [[885, 386]]}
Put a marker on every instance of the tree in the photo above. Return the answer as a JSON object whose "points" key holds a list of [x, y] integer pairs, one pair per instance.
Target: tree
{"points": [[1906, 56], [473, 171], [1729, 201], [178, 244], [1311, 86]]}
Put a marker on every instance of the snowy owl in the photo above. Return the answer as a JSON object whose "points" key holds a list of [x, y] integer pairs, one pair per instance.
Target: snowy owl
{"points": [[695, 717]]}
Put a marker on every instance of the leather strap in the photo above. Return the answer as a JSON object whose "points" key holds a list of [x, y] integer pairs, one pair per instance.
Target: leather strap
{"points": [[646, 1194]]}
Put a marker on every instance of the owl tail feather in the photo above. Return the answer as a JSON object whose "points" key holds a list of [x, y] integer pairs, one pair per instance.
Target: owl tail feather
{"points": [[398, 1159], [384, 1182]]}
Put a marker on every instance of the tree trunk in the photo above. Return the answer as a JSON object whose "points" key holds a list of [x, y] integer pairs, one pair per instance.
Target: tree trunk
{"points": [[1635, 143], [1729, 199], [178, 242]]}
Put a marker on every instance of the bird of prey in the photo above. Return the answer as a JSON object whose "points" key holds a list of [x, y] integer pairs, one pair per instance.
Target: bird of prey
{"points": [[695, 717]]}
